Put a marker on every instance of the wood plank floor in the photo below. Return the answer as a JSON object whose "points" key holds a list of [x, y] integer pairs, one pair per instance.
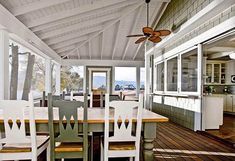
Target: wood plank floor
{"points": [[177, 143], [226, 131]]}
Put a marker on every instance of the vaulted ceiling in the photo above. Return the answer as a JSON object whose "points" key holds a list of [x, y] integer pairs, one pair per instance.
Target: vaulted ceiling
{"points": [[87, 29]]}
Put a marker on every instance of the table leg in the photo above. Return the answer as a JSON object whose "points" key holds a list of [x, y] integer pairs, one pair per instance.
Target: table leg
{"points": [[149, 136]]}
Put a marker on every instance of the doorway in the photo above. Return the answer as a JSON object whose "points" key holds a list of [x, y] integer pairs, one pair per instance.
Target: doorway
{"points": [[219, 87]]}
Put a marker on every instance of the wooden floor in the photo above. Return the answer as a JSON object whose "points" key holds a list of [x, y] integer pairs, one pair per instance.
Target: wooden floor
{"points": [[227, 130], [177, 143]]}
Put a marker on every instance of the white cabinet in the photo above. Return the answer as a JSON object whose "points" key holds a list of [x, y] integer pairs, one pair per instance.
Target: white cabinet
{"points": [[215, 73], [213, 111], [229, 103]]}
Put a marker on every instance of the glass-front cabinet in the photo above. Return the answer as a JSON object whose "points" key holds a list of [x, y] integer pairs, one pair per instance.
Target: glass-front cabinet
{"points": [[215, 73]]}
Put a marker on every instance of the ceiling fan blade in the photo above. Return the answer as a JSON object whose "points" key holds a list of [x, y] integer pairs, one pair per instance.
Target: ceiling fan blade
{"points": [[140, 40], [138, 35], [156, 33], [147, 31], [155, 39], [164, 32]]}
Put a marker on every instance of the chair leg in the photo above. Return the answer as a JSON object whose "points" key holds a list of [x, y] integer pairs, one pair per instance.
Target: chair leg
{"points": [[48, 153], [101, 152], [92, 143]]}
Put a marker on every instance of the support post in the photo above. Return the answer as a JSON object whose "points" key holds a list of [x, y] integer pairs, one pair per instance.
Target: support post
{"points": [[4, 65], [137, 81], [58, 79], [48, 76], [14, 72], [147, 80]]}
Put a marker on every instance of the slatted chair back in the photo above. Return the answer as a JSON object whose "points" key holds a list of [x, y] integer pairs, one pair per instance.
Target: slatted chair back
{"points": [[14, 121], [68, 122], [123, 120]]}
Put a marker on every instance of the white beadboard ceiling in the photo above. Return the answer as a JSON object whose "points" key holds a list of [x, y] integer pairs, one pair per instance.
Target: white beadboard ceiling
{"points": [[87, 29]]}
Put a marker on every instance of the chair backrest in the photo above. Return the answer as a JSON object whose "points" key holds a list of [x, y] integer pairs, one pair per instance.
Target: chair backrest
{"points": [[123, 120], [14, 112], [68, 120]]}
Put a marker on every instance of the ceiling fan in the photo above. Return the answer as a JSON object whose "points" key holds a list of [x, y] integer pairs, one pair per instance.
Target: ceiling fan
{"points": [[149, 33]]}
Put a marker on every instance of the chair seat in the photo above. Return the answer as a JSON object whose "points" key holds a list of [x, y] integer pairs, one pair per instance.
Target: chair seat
{"points": [[69, 147], [24, 147], [122, 146]]}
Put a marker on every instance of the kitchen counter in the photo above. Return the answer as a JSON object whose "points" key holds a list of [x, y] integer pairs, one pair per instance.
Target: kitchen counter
{"points": [[213, 111]]}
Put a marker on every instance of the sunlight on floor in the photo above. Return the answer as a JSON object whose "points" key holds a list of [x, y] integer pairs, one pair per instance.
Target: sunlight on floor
{"points": [[193, 152]]}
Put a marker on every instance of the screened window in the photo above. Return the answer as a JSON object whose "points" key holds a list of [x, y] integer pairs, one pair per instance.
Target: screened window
{"points": [[72, 79], [142, 79], [160, 77], [172, 74], [53, 79], [189, 70], [125, 80], [38, 80]]}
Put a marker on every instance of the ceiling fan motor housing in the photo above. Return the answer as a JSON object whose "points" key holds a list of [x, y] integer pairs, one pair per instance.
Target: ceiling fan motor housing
{"points": [[147, 1]]}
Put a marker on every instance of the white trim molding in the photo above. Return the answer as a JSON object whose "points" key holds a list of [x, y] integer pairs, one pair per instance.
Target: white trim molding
{"points": [[116, 63]]}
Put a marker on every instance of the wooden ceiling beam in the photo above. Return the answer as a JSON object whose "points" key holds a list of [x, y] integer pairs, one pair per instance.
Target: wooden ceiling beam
{"points": [[20, 10], [69, 42], [73, 35], [85, 24], [137, 18], [124, 14], [76, 11]]}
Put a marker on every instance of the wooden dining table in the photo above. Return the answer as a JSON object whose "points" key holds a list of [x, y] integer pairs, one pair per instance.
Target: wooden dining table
{"points": [[96, 124]]}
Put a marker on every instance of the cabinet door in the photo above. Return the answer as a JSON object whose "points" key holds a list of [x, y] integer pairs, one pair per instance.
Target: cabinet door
{"points": [[216, 73], [233, 103], [229, 103], [225, 103], [208, 73]]}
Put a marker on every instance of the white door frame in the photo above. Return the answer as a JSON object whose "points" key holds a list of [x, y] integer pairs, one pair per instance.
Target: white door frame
{"points": [[98, 69]]}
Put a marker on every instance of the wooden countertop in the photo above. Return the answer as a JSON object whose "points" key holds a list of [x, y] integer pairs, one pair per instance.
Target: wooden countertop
{"points": [[95, 115]]}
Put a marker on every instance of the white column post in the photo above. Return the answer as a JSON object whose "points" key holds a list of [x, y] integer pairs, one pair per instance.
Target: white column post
{"points": [[48, 76], [113, 79], [58, 79], [4, 65], [147, 79], [84, 80], [199, 119], [137, 81]]}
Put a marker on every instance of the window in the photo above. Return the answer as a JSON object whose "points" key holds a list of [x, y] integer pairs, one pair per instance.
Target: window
{"points": [[172, 74], [142, 79], [189, 71], [160, 77], [38, 75], [38, 81], [72, 79], [53, 77], [99, 81], [125, 80]]}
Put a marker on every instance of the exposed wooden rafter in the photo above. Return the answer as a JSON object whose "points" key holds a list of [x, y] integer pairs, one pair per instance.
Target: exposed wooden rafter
{"points": [[83, 9], [69, 42], [124, 14], [132, 30], [73, 35], [20, 10], [92, 22]]}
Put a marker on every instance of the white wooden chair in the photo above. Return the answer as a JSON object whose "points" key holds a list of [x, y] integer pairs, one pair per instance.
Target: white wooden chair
{"points": [[16, 145], [122, 143]]}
